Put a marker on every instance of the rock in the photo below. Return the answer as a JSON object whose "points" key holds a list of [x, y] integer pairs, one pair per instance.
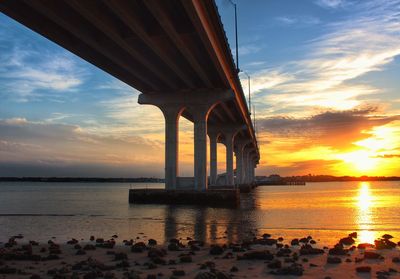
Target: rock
{"points": [[216, 250], [158, 260], [396, 260], [312, 241], [138, 247], [384, 244], [7, 270], [338, 251], [114, 236], [304, 240], [152, 242], [294, 269], [294, 242], [155, 252], [334, 260], [256, 255], [91, 238], [309, 250], [392, 270], [205, 275], [283, 252], [266, 235], [99, 240], [363, 269], [123, 264], [372, 255], [348, 260], [275, 264], [353, 235], [89, 247], [196, 242], [120, 256], [72, 241], [173, 247], [194, 247], [178, 272], [365, 245], [128, 242], [77, 247], [228, 255], [234, 269], [109, 244], [347, 241], [387, 236], [185, 259], [313, 265], [265, 241], [80, 252], [280, 239], [383, 273], [215, 274]]}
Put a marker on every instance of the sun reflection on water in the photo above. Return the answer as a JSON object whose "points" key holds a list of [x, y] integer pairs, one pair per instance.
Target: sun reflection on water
{"points": [[365, 202]]}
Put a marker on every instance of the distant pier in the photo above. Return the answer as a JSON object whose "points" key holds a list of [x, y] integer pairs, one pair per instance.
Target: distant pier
{"points": [[281, 183]]}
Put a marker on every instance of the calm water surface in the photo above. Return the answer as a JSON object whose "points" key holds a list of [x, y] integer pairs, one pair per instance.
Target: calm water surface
{"points": [[326, 211]]}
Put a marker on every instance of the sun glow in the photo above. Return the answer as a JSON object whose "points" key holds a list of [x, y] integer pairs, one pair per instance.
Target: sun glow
{"points": [[365, 201], [360, 160]]}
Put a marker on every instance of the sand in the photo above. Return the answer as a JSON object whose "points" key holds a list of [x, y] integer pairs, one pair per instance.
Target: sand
{"points": [[26, 261]]}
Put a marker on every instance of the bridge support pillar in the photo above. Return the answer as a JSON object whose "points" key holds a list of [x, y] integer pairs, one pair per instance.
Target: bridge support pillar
{"points": [[171, 115], [200, 147], [229, 158], [245, 176], [213, 158], [239, 164]]}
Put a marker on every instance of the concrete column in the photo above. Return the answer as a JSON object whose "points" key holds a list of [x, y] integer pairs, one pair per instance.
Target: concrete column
{"points": [[213, 158], [245, 176], [239, 164], [249, 167], [171, 115], [229, 158], [200, 147]]}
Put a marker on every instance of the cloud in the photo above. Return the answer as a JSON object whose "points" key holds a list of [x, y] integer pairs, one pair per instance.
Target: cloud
{"points": [[298, 20], [337, 129], [301, 168], [332, 4], [29, 72], [329, 76], [60, 145]]}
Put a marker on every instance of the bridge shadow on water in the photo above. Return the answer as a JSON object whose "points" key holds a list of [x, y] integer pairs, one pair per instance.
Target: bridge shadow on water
{"points": [[209, 224]]}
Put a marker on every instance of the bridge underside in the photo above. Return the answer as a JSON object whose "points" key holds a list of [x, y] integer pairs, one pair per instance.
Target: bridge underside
{"points": [[175, 52]]}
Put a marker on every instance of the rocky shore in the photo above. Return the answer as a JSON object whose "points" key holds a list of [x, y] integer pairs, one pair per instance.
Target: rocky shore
{"points": [[260, 257]]}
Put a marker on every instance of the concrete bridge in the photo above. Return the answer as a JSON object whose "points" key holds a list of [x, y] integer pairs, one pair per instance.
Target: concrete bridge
{"points": [[175, 52]]}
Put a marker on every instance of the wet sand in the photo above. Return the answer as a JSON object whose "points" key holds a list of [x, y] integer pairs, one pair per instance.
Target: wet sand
{"points": [[261, 257]]}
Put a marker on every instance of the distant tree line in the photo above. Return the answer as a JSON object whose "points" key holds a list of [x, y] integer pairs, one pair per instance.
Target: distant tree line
{"points": [[331, 178], [83, 179]]}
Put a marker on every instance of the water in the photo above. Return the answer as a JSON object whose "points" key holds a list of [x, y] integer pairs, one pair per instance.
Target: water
{"points": [[327, 211]]}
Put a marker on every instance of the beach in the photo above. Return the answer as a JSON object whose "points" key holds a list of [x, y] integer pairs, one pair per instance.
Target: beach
{"points": [[264, 256], [37, 220]]}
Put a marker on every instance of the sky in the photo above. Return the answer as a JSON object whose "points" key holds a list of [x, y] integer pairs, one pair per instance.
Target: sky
{"points": [[324, 82]]}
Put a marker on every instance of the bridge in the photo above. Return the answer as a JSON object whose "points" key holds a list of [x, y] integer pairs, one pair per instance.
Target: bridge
{"points": [[175, 52]]}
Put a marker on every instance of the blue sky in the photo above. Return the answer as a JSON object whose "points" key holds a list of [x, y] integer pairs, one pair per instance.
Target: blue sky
{"points": [[324, 79]]}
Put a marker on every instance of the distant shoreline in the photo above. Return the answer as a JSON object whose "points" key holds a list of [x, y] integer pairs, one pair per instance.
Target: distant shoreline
{"points": [[81, 179], [305, 178]]}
